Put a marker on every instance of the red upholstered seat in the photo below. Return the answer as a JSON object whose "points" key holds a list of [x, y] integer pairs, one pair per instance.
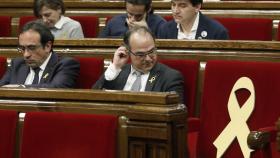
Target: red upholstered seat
{"points": [[8, 123], [220, 77], [189, 70], [168, 17], [90, 25], [57, 135], [90, 71], [6, 26], [3, 66], [248, 28], [23, 20]]}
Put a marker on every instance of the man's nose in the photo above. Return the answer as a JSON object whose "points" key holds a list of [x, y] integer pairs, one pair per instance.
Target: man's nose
{"points": [[26, 53], [45, 19]]}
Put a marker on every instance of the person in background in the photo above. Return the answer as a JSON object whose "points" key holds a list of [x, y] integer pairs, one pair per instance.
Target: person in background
{"points": [[144, 73], [51, 12], [40, 66], [189, 23], [138, 13]]}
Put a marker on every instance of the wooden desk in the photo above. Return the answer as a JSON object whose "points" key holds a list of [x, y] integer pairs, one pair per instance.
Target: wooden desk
{"points": [[150, 124]]}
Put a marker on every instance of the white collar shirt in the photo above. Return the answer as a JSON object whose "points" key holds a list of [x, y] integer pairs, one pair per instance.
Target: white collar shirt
{"points": [[191, 35]]}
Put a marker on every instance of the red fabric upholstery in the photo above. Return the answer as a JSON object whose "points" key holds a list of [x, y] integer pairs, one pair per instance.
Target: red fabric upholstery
{"points": [[90, 25], [189, 70], [6, 26], [8, 123], [168, 17], [220, 76], [248, 28], [54, 135], [90, 71], [3, 66], [23, 20]]}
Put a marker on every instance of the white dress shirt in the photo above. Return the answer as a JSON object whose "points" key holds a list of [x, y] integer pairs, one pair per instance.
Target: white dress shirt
{"points": [[31, 75], [112, 72]]}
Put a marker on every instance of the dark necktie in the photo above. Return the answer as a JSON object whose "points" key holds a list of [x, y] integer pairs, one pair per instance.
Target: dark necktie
{"points": [[137, 83], [36, 76]]}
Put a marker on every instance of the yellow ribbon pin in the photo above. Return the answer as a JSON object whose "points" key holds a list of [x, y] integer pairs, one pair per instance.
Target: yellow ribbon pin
{"points": [[152, 79], [237, 127], [46, 75]]}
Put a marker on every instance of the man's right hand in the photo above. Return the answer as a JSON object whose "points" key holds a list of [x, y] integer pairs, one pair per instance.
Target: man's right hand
{"points": [[120, 57]]}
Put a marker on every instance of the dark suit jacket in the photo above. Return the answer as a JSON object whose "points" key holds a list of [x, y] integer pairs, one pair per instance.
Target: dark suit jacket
{"points": [[59, 73], [214, 29], [117, 26], [161, 79]]}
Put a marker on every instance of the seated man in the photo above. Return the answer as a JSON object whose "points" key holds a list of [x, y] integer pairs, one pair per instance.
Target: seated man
{"points": [[189, 23], [40, 66], [139, 13], [144, 73]]}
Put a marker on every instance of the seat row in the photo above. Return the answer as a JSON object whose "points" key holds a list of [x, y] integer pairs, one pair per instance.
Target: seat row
{"points": [[237, 97], [239, 28]]}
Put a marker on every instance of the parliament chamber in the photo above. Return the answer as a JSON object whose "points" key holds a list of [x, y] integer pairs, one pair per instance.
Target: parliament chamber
{"points": [[150, 124]]}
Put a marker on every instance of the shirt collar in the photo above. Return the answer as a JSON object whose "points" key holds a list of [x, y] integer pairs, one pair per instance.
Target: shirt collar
{"points": [[44, 65], [193, 29], [61, 22]]}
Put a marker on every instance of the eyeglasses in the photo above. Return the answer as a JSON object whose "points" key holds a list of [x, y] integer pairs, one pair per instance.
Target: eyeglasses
{"points": [[150, 53], [29, 48]]}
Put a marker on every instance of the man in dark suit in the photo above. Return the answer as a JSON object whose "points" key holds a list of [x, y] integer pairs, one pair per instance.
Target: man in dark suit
{"points": [[139, 13], [40, 66], [140, 47], [189, 23]]}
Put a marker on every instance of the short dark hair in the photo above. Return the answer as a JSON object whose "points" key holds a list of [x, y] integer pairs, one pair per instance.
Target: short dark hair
{"points": [[196, 2], [139, 29], [43, 30], [52, 4], [147, 3]]}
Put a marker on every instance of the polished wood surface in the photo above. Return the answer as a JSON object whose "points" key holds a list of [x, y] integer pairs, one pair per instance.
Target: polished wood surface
{"points": [[154, 120]]}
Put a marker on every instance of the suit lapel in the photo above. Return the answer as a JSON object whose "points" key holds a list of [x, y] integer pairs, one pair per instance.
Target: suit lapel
{"points": [[201, 32], [153, 77], [49, 68], [123, 77], [24, 70]]}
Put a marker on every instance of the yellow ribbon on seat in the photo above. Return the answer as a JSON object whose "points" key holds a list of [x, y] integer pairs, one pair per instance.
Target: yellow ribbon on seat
{"points": [[237, 126]]}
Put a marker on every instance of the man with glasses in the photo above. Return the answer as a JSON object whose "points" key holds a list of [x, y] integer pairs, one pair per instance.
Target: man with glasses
{"points": [[139, 46], [40, 66], [138, 13]]}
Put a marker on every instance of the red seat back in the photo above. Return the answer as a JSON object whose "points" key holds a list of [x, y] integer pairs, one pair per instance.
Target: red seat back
{"points": [[168, 17], [3, 66], [189, 70], [90, 71], [8, 123], [6, 26], [248, 28], [25, 19], [90, 25], [53, 135], [220, 77]]}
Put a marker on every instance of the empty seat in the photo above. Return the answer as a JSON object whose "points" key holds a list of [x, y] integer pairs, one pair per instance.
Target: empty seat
{"points": [[3, 66], [248, 28], [90, 25], [189, 70], [238, 97], [8, 123], [90, 71], [55, 135], [6, 26]]}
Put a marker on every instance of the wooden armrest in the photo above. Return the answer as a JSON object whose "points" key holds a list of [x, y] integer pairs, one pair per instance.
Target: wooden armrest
{"points": [[258, 139]]}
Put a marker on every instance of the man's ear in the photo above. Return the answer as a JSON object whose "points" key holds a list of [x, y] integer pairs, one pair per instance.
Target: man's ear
{"points": [[48, 46], [197, 7]]}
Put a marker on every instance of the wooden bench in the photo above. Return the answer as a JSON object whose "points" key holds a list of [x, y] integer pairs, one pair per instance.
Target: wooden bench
{"points": [[150, 124], [101, 9]]}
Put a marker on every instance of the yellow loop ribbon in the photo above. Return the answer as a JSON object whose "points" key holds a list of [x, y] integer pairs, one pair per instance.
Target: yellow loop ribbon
{"points": [[237, 126]]}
